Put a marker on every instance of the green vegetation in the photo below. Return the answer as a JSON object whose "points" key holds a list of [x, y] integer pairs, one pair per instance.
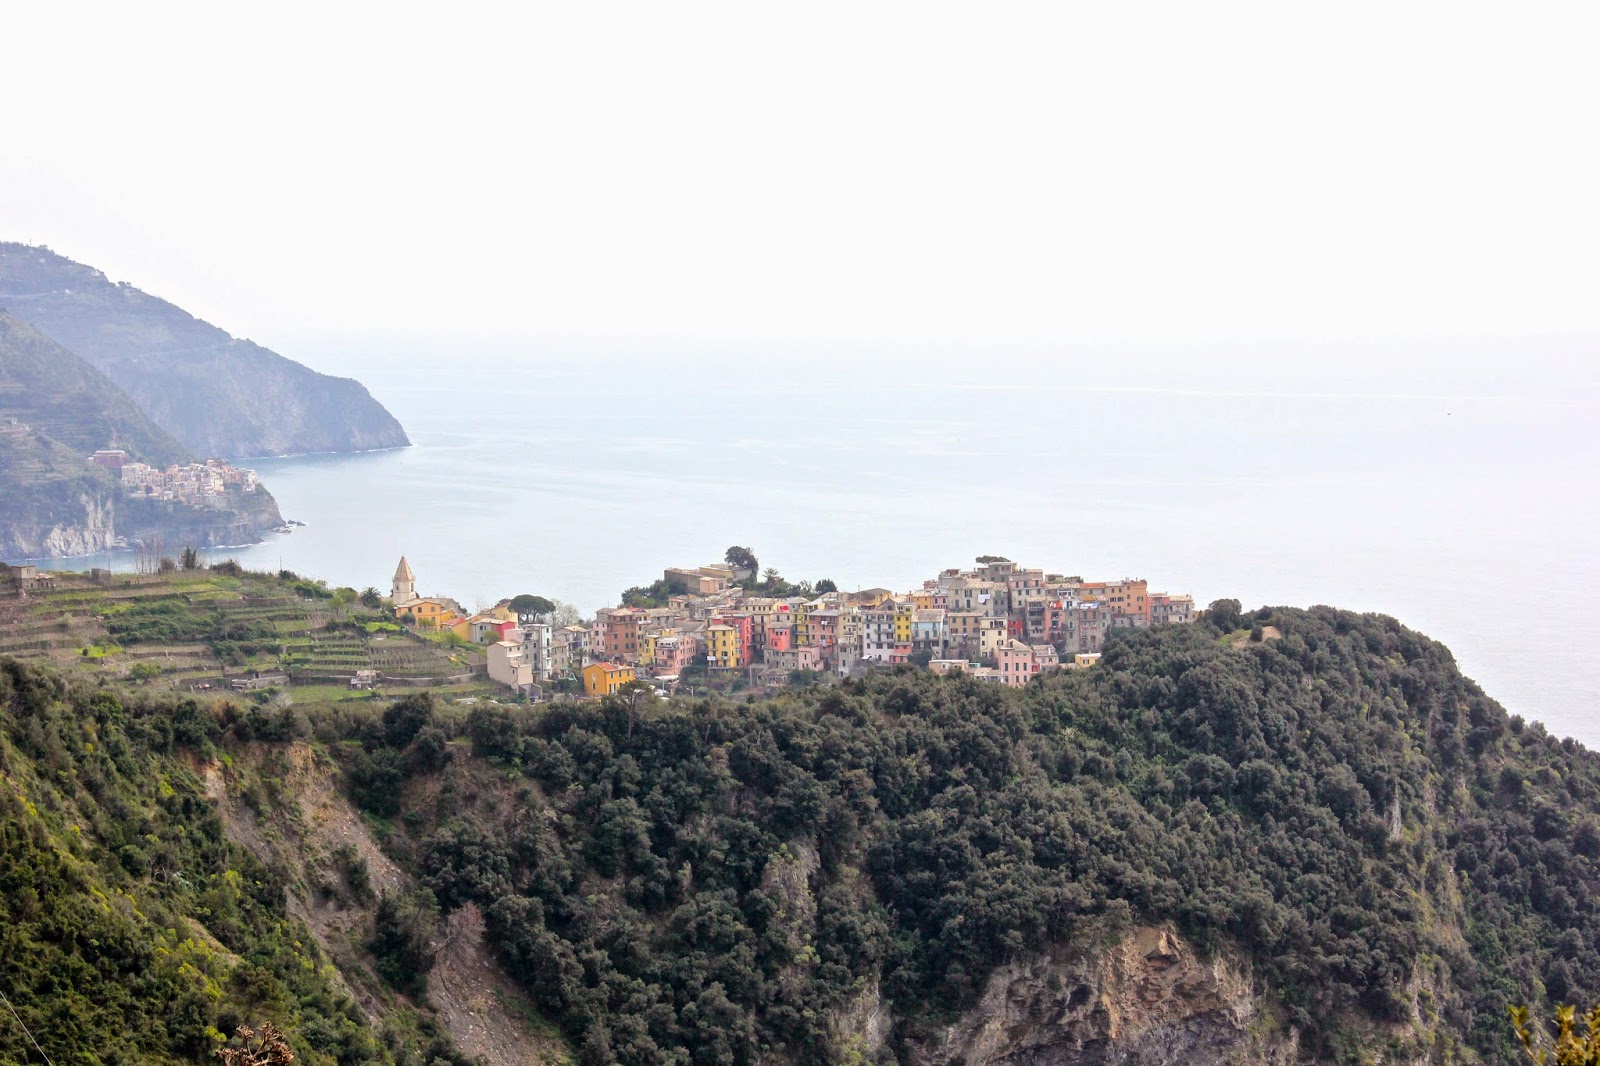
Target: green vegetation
{"points": [[711, 881], [655, 594], [742, 558], [1307, 801], [131, 930], [1564, 1045], [193, 626], [529, 607]]}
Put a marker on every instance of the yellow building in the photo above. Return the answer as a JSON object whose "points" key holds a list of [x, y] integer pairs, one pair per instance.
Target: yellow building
{"points": [[802, 628], [604, 679], [722, 646], [425, 611], [924, 599], [904, 612]]}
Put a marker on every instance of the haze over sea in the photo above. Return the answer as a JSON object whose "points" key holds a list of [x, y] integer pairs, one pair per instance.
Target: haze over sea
{"points": [[1451, 487]]}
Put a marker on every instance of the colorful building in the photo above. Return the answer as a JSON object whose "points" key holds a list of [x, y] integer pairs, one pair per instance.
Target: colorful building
{"points": [[1015, 662], [722, 647], [905, 612], [621, 638], [605, 679]]}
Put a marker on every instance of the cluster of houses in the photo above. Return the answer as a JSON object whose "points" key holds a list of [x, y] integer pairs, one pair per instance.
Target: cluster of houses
{"points": [[197, 484], [999, 621]]}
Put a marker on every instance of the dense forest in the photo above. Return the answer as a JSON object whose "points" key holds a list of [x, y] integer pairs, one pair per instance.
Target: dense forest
{"points": [[131, 929], [1318, 793]]}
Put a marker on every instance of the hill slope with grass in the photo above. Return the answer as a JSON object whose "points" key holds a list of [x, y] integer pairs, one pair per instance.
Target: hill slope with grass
{"points": [[55, 411], [217, 395], [1306, 838]]}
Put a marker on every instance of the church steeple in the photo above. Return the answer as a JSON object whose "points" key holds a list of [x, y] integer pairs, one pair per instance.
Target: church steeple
{"points": [[404, 589]]}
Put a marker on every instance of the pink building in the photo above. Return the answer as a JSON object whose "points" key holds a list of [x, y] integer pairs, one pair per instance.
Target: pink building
{"points": [[823, 627], [674, 653], [804, 657], [743, 624], [1015, 662], [780, 637]]}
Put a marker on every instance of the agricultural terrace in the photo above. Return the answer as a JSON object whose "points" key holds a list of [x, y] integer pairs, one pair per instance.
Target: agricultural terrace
{"points": [[193, 629]]}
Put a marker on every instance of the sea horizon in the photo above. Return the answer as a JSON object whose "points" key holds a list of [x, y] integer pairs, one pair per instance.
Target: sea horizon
{"points": [[1442, 503]]}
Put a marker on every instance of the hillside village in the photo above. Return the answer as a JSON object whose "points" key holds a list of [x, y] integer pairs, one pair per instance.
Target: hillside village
{"points": [[998, 622], [204, 484]]}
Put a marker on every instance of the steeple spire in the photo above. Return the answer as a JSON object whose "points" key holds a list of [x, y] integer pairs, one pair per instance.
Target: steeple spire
{"points": [[404, 589]]}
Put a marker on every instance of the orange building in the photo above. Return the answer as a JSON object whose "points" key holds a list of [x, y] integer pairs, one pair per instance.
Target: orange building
{"points": [[1126, 597], [622, 635], [425, 611], [604, 679]]}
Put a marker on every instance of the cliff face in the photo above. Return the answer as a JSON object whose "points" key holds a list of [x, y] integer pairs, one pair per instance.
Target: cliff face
{"points": [[1145, 999], [89, 514], [219, 396]]}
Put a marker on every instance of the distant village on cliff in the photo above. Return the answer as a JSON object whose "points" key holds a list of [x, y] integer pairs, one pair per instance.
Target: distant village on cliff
{"points": [[998, 622]]}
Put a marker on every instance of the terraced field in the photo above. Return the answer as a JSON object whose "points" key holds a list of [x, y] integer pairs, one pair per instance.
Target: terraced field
{"points": [[193, 629]]}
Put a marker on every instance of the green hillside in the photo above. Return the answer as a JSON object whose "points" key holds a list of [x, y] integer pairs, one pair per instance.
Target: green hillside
{"points": [[65, 399], [179, 629], [131, 929], [1308, 839]]}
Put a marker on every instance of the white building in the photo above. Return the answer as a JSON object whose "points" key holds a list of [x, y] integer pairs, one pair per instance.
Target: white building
{"points": [[509, 665]]}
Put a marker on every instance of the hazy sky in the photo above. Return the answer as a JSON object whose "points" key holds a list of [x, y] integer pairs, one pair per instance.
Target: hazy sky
{"points": [[834, 170]]}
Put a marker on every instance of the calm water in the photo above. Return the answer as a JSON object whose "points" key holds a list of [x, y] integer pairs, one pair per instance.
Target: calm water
{"points": [[1456, 495]]}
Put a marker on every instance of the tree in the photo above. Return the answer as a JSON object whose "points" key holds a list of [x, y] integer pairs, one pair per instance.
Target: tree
{"points": [[633, 696], [826, 585], [371, 598], [1226, 615], [189, 559], [406, 717], [770, 576], [402, 936], [985, 560], [742, 559], [530, 607]]}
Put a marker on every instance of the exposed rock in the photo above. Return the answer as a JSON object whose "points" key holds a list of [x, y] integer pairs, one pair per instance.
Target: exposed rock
{"points": [[1145, 1000], [787, 878], [485, 1013], [860, 1030]]}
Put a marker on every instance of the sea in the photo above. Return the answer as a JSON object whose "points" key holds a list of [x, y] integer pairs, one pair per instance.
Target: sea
{"points": [[1451, 485]]}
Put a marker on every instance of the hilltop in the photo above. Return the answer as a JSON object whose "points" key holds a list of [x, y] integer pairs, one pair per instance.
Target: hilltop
{"points": [[193, 630], [1271, 837], [55, 411], [217, 395]]}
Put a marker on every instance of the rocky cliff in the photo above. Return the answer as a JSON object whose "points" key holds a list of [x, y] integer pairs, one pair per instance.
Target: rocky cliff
{"points": [[1144, 998], [218, 395], [91, 513]]}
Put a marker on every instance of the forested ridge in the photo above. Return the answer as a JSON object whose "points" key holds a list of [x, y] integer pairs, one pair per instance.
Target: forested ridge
{"points": [[131, 929], [1319, 794]]}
